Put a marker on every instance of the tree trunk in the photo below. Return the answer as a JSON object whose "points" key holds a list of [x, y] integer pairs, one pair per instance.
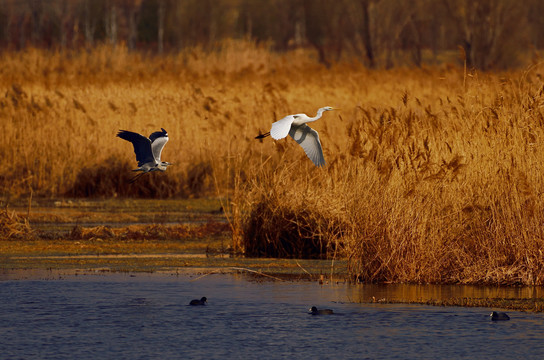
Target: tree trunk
{"points": [[37, 16], [89, 25], [160, 35], [111, 25], [132, 28], [366, 33]]}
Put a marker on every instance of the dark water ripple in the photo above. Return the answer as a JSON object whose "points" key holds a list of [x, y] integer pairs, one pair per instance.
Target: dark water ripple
{"points": [[147, 317]]}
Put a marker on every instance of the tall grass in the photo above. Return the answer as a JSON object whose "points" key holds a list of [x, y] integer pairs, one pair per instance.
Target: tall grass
{"points": [[429, 178]]}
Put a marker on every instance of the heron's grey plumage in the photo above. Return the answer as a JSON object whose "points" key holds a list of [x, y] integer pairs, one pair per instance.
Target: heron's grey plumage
{"points": [[158, 140], [148, 150]]}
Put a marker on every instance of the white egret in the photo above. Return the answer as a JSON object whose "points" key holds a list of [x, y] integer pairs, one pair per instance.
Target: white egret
{"points": [[308, 138], [148, 150]]}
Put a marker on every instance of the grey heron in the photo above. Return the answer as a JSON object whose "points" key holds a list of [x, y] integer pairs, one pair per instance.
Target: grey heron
{"points": [[148, 150], [295, 126]]}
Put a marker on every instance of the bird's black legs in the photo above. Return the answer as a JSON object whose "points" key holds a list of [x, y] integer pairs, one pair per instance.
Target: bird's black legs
{"points": [[262, 136], [135, 178]]}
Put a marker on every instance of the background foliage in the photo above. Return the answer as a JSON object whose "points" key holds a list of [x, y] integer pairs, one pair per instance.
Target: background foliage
{"points": [[379, 33]]}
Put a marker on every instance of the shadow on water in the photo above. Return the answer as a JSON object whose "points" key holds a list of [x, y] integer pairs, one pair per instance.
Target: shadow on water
{"points": [[360, 293], [412, 292], [140, 315]]}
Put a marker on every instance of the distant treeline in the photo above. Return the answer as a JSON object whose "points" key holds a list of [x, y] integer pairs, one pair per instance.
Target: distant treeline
{"points": [[380, 33]]}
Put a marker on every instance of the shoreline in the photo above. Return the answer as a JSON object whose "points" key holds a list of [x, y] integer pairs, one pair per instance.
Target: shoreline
{"points": [[195, 241], [395, 293]]}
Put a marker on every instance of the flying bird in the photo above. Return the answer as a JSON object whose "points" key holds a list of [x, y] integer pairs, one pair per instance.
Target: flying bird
{"points": [[148, 150], [295, 126]]}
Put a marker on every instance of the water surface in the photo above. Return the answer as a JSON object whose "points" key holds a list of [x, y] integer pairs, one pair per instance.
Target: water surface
{"points": [[144, 316]]}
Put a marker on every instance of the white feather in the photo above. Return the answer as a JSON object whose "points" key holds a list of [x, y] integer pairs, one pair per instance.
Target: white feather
{"points": [[308, 138], [281, 128], [157, 146]]}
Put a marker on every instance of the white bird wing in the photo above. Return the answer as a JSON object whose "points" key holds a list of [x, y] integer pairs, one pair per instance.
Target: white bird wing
{"points": [[157, 145], [308, 138], [281, 128]]}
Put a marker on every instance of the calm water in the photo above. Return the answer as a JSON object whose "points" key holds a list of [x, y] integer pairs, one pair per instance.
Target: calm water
{"points": [[145, 316]]}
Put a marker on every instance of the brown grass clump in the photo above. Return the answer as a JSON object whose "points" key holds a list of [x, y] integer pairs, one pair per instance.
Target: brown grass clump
{"points": [[432, 175], [13, 226], [275, 229]]}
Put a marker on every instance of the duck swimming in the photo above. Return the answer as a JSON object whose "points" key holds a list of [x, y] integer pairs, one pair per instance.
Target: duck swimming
{"points": [[496, 316], [199, 302], [313, 310]]}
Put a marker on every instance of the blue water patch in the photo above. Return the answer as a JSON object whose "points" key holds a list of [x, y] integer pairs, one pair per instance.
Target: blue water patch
{"points": [[147, 316]]}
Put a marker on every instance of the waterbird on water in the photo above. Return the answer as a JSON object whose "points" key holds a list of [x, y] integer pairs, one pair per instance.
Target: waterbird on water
{"points": [[496, 316], [202, 301], [148, 150], [295, 126], [313, 311]]}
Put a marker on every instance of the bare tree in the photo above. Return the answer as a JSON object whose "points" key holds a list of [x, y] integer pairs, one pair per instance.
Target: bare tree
{"points": [[493, 33], [65, 12], [160, 30], [326, 29], [110, 23], [127, 21], [393, 22], [89, 21], [485, 27], [365, 32]]}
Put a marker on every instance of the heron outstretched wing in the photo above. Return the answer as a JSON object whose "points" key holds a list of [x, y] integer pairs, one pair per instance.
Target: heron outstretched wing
{"points": [[142, 146], [157, 145], [158, 140], [308, 138], [281, 128]]}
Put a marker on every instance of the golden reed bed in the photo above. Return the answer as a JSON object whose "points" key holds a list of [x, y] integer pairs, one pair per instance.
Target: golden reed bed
{"points": [[432, 175]]}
